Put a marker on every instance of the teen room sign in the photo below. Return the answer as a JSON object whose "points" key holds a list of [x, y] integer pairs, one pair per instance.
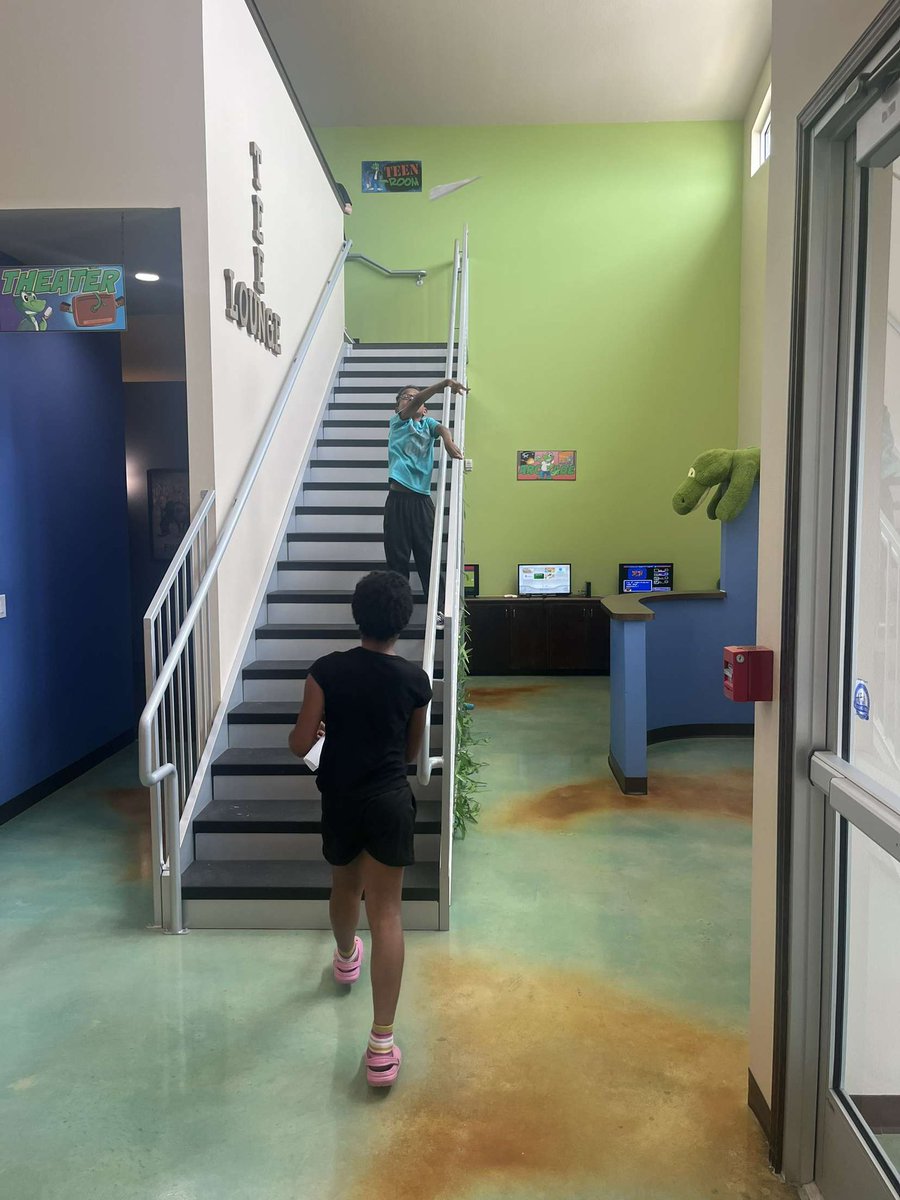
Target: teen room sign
{"points": [[80, 299], [398, 175]]}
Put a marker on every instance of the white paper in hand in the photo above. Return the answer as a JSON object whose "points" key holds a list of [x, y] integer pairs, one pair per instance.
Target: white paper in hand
{"points": [[312, 759]]}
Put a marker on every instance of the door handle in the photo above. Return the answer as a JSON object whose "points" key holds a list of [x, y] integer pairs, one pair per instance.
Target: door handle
{"points": [[864, 803]]}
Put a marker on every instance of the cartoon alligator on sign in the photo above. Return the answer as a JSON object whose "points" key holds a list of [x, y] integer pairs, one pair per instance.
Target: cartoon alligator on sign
{"points": [[34, 312], [733, 473]]}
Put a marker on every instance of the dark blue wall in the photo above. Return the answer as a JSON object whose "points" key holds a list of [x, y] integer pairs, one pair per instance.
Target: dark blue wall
{"points": [[65, 646]]}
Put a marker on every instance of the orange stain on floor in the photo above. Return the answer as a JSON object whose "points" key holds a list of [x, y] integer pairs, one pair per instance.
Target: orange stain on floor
{"points": [[726, 794], [506, 697], [554, 1082], [134, 805]]}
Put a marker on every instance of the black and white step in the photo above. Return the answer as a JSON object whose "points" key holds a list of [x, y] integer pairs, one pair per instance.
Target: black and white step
{"points": [[353, 491], [284, 679], [372, 470], [253, 773], [267, 723], [401, 349], [296, 606], [336, 574], [392, 373], [266, 829], [316, 547], [307, 641], [288, 895], [338, 518]]}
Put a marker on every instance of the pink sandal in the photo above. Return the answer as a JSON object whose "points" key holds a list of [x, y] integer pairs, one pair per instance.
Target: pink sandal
{"points": [[382, 1069], [346, 970]]}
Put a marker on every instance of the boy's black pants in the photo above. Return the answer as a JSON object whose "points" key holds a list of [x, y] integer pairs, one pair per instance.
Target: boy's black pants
{"points": [[409, 529]]}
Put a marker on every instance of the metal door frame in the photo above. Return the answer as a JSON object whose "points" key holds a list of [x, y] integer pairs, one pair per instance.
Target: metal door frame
{"points": [[829, 223]]}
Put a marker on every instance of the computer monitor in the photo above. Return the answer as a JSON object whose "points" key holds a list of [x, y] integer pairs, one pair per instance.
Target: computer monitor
{"points": [[545, 579], [646, 577]]}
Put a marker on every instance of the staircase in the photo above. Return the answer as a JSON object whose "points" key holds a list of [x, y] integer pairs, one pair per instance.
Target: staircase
{"points": [[257, 859]]}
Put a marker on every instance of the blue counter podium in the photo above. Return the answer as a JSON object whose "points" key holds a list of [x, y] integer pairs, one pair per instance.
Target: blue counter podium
{"points": [[666, 674]]}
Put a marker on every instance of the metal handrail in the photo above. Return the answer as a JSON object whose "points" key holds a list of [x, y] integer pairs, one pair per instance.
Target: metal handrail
{"points": [[207, 500], [377, 266], [166, 774], [192, 704], [427, 762]]}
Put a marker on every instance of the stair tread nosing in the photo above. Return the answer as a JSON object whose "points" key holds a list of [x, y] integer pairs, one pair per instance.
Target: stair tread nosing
{"points": [[340, 510], [268, 712], [292, 668], [329, 485], [436, 358], [290, 629], [361, 536], [268, 760], [323, 564], [288, 816], [375, 389], [319, 596], [363, 346], [269, 879]]}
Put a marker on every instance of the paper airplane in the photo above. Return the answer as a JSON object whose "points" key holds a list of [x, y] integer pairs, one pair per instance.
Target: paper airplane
{"points": [[444, 189]]}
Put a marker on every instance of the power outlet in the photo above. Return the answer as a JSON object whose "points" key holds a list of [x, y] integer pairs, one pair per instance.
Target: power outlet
{"points": [[2, 607], [467, 465]]}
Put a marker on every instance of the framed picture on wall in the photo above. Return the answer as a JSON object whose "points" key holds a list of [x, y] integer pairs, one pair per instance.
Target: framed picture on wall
{"points": [[170, 511], [547, 465], [470, 580]]}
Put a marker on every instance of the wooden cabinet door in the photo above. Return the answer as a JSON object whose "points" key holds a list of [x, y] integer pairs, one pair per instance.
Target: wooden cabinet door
{"points": [[568, 636], [489, 624], [597, 639], [528, 636]]}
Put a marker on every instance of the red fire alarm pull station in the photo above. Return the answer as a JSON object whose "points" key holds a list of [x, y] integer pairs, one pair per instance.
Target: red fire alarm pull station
{"points": [[748, 673]]}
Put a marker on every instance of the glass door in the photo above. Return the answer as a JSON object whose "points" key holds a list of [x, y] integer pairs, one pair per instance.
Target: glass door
{"points": [[858, 1123]]}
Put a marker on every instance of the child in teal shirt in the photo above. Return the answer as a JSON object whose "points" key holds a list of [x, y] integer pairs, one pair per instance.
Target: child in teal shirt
{"points": [[409, 509]]}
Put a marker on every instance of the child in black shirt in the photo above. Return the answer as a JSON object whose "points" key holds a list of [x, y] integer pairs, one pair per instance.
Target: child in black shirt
{"points": [[374, 703]]}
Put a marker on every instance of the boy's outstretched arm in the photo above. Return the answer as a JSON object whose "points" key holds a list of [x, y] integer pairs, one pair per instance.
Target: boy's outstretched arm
{"points": [[309, 723], [449, 445], [415, 731], [425, 394]]}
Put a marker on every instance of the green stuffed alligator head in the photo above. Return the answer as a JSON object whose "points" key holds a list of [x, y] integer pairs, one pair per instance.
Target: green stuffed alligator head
{"points": [[732, 473], [34, 312]]}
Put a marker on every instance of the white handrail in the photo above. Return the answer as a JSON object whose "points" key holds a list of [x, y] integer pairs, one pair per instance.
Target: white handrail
{"points": [[171, 685], [426, 761]]}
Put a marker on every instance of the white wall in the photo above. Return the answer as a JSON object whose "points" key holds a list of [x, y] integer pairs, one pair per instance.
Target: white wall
{"points": [[135, 69], [809, 39], [753, 273], [303, 228]]}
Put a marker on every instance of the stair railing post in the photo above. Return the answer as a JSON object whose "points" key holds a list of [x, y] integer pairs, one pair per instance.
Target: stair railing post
{"points": [[437, 549], [173, 822]]}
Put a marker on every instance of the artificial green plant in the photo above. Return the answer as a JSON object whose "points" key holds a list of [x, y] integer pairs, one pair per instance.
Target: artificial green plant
{"points": [[466, 806]]}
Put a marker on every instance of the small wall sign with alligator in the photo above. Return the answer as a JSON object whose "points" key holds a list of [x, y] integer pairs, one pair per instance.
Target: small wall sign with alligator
{"points": [[403, 175], [70, 299], [244, 305]]}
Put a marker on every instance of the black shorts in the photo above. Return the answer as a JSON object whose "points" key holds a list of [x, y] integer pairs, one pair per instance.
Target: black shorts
{"points": [[382, 825]]}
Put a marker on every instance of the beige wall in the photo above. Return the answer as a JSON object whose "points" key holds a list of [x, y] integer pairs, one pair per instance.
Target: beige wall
{"points": [[303, 230], [809, 39], [753, 274]]}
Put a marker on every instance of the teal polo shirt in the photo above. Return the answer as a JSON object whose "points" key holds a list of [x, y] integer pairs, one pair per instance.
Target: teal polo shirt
{"points": [[411, 452]]}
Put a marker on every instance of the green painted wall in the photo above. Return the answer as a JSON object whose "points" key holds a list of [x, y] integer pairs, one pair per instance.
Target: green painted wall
{"points": [[605, 303]]}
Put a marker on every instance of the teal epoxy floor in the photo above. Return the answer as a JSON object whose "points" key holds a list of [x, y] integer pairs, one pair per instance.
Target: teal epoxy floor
{"points": [[579, 1034]]}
